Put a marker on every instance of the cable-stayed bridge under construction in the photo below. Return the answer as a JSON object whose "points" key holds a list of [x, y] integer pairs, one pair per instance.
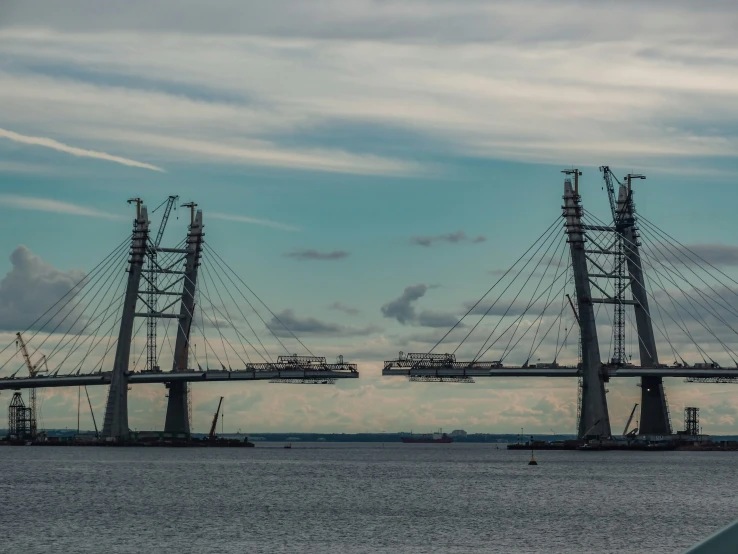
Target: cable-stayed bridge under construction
{"points": [[652, 288], [189, 292], [145, 306]]}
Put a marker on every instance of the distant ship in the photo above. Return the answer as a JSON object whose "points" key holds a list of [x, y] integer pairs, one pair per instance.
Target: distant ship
{"points": [[434, 438]]}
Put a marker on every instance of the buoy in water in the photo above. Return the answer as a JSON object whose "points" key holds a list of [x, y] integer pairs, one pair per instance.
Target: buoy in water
{"points": [[532, 461]]}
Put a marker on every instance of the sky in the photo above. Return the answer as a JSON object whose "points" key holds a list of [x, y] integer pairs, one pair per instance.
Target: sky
{"points": [[368, 167]]}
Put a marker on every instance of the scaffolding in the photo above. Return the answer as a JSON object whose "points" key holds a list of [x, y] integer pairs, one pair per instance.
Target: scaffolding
{"points": [[692, 421], [19, 418]]}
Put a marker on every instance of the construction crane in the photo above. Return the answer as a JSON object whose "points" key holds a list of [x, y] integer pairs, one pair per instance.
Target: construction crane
{"points": [[573, 309], [170, 203], [33, 371], [151, 320], [92, 413], [619, 265], [211, 436], [610, 181], [630, 420]]}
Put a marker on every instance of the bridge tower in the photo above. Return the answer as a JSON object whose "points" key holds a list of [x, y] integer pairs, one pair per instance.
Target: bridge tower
{"points": [[654, 408], [594, 419], [115, 425], [177, 419]]}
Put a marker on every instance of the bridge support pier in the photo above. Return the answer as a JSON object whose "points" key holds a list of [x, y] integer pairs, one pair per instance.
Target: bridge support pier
{"points": [[594, 420], [115, 425], [177, 419]]}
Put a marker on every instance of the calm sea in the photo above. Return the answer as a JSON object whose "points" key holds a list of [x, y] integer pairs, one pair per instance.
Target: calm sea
{"points": [[360, 498]]}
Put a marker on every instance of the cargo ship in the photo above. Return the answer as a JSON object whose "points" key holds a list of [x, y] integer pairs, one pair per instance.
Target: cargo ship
{"points": [[433, 438]]}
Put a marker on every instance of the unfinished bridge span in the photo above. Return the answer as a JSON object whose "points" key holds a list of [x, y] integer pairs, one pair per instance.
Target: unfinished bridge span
{"points": [[90, 336], [663, 294]]}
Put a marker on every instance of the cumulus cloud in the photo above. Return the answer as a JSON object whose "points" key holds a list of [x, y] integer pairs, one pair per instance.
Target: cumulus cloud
{"points": [[452, 238], [30, 288], [311, 254], [403, 310]]}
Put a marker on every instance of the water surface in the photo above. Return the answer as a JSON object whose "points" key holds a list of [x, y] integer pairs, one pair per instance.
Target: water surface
{"points": [[361, 498]]}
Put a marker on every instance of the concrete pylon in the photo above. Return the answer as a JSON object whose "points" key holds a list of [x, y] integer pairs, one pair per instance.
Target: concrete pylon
{"points": [[654, 410], [178, 420], [594, 420], [115, 425]]}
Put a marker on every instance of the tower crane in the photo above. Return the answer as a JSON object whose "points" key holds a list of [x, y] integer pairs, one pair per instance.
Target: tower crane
{"points": [[33, 371], [211, 436], [151, 320], [619, 265]]}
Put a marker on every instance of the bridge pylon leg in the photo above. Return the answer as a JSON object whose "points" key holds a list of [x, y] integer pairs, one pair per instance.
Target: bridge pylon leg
{"points": [[115, 425], [594, 419], [654, 408], [177, 418]]}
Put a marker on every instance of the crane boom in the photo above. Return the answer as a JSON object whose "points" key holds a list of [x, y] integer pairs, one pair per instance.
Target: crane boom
{"points": [[610, 179], [94, 422], [26, 356], [573, 309], [630, 419], [165, 218], [211, 436]]}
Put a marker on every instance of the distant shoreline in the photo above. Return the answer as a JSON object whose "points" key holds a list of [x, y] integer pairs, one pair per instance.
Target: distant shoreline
{"points": [[494, 438]]}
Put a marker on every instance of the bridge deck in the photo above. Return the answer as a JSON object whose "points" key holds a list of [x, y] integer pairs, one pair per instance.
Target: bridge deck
{"points": [[494, 369], [274, 371]]}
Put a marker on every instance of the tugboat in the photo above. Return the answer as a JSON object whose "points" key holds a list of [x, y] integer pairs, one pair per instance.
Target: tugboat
{"points": [[433, 438]]}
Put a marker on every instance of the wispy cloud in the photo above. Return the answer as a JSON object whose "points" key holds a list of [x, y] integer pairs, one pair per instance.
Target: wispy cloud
{"points": [[341, 307], [310, 254], [36, 204], [26, 168], [253, 221], [492, 90], [261, 152], [452, 238], [73, 150]]}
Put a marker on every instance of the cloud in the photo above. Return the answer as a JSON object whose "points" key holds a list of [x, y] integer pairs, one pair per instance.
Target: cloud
{"points": [[266, 153], [310, 254], [30, 288], [341, 307], [452, 238], [25, 168], [312, 326], [73, 150], [412, 20], [720, 255], [437, 319], [401, 308], [49, 205], [485, 86], [253, 220]]}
